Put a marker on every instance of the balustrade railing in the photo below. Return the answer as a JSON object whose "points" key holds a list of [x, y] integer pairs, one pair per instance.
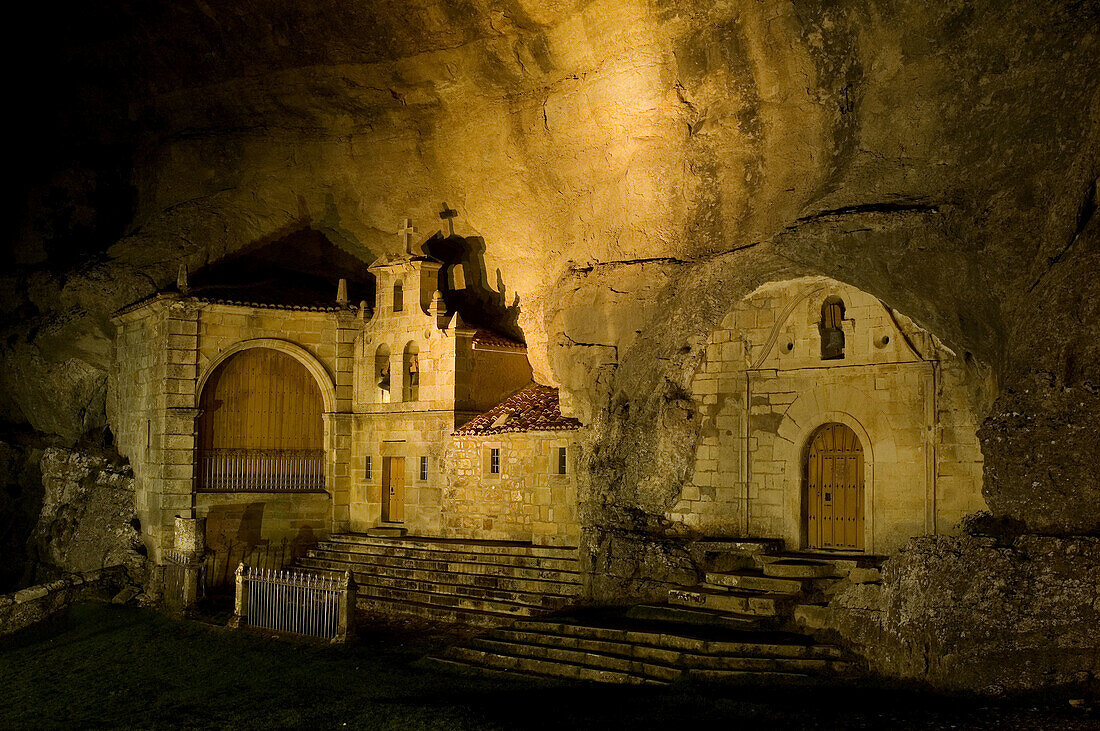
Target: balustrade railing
{"points": [[261, 470], [295, 602]]}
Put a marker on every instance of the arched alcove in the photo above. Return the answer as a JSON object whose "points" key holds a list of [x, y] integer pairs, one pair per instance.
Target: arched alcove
{"points": [[410, 373], [831, 328], [382, 380], [260, 426]]}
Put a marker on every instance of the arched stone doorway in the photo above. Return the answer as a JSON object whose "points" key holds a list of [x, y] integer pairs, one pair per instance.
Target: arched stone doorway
{"points": [[833, 476], [260, 426]]}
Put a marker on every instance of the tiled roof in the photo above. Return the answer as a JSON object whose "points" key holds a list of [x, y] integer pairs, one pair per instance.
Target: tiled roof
{"points": [[490, 339], [535, 408]]}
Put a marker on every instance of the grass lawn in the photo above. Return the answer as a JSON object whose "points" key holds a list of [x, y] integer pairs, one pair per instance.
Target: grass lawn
{"points": [[113, 666]]}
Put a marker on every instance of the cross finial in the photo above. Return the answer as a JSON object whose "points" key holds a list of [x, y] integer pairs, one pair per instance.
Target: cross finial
{"points": [[407, 233], [448, 215]]}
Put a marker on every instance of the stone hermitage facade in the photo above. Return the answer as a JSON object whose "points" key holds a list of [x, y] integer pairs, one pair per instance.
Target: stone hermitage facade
{"points": [[430, 425], [775, 374], [393, 383]]}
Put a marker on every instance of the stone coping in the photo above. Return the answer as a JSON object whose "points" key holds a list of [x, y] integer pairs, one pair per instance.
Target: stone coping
{"points": [[25, 607]]}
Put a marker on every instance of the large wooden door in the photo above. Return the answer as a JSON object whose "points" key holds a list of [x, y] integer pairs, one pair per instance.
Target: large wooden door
{"points": [[834, 489], [393, 489], [261, 426]]}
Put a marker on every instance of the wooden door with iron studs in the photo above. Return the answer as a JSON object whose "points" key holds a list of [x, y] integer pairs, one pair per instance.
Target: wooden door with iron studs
{"points": [[834, 489]]}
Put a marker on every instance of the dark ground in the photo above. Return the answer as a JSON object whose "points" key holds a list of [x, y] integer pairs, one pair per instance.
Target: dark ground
{"points": [[113, 666]]}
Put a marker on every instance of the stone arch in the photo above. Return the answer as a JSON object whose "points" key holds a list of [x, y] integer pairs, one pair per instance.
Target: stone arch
{"points": [[381, 388], [324, 379], [410, 372], [840, 405]]}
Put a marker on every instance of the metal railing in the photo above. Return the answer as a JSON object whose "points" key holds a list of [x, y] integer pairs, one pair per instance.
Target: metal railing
{"points": [[225, 553], [295, 602], [261, 470]]}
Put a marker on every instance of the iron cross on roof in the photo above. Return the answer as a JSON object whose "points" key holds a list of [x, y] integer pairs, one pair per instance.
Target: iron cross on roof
{"points": [[407, 233]]}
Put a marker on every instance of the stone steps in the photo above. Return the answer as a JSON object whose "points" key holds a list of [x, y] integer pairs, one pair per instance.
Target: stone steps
{"points": [[757, 582], [545, 667], [370, 607], [692, 616], [450, 545], [434, 566], [482, 581], [443, 584], [648, 654], [456, 555], [753, 604], [478, 583]]}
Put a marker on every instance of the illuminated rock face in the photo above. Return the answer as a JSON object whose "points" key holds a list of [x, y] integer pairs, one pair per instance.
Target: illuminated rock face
{"points": [[634, 170]]}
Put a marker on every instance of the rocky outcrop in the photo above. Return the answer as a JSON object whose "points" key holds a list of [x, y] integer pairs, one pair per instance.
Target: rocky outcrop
{"points": [[88, 519], [980, 613], [20, 506]]}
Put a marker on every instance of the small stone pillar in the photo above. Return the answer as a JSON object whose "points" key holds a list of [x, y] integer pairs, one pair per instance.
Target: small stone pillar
{"points": [[240, 599], [342, 292], [189, 544], [345, 620]]}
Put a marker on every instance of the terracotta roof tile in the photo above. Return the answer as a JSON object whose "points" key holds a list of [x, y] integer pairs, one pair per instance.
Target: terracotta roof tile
{"points": [[535, 408], [490, 339]]}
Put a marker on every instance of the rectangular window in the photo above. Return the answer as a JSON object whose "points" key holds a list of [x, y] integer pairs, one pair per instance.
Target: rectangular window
{"points": [[423, 468], [494, 461], [562, 461], [370, 470]]}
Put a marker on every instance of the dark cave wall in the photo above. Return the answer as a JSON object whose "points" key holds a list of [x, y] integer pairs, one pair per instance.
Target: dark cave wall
{"points": [[647, 162]]}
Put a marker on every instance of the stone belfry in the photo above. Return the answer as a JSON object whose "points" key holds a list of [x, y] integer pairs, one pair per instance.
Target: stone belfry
{"points": [[405, 282]]}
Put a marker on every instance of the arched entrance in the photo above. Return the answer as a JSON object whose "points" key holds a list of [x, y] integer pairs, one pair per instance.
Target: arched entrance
{"points": [[260, 427], [833, 497]]}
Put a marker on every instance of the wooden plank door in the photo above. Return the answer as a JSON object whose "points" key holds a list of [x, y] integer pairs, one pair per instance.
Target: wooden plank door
{"points": [[834, 489], [393, 489]]}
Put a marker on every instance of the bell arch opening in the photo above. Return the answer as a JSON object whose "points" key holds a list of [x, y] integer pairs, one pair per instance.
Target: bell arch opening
{"points": [[260, 427], [410, 367]]}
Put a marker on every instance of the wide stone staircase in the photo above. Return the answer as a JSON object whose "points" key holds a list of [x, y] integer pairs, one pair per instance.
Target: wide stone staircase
{"points": [[454, 581], [756, 617]]}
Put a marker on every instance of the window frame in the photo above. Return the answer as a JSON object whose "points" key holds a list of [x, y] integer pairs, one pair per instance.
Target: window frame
{"points": [[398, 296], [494, 460], [368, 468], [422, 472]]}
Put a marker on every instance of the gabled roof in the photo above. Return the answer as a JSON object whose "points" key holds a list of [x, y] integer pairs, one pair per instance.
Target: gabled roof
{"points": [[535, 408]]}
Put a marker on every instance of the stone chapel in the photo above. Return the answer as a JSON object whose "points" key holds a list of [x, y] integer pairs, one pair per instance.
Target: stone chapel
{"points": [[291, 422], [828, 421]]}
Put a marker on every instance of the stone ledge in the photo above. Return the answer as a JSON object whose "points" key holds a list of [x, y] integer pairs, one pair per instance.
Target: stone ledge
{"points": [[34, 604]]}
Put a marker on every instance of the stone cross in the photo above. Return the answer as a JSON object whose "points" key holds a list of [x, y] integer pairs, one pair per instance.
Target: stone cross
{"points": [[448, 215], [407, 233]]}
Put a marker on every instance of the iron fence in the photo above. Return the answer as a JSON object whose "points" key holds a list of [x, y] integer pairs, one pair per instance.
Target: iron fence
{"points": [[261, 470], [294, 602], [223, 554]]}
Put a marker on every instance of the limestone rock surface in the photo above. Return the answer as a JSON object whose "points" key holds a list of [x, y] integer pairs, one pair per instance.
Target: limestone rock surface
{"points": [[980, 614], [88, 519]]}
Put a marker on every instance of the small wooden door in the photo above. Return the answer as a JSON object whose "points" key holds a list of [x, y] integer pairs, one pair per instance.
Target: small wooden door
{"points": [[393, 489], [834, 489]]}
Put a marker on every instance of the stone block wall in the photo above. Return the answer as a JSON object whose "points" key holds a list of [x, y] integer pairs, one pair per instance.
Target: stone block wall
{"points": [[167, 348], [136, 400], [526, 501], [410, 435], [763, 389]]}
